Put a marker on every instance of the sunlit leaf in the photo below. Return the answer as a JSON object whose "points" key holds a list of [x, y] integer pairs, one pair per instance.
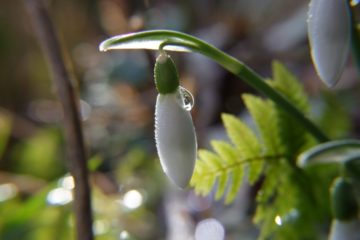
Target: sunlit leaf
{"points": [[149, 40]]}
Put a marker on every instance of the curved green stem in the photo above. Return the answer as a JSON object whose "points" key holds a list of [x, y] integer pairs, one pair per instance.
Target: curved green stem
{"points": [[166, 39], [331, 152]]}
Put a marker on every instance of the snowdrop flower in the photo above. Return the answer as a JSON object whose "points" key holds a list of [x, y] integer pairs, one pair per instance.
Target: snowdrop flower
{"points": [[346, 223], [174, 131], [329, 32], [341, 230]]}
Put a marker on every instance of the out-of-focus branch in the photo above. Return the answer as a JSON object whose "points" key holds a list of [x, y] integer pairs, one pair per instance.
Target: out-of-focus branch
{"points": [[66, 92]]}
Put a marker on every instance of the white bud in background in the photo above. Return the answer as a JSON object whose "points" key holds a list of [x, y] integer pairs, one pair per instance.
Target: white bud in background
{"points": [[345, 230], [175, 136], [209, 229], [329, 32]]}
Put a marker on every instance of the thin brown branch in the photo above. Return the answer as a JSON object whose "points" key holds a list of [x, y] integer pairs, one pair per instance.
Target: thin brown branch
{"points": [[67, 94]]}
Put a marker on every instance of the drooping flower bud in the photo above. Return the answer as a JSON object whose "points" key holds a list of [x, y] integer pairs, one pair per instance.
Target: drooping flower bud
{"points": [[174, 130], [329, 32], [344, 205]]}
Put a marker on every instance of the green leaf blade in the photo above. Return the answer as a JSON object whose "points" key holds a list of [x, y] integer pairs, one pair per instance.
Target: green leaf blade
{"points": [[151, 40]]}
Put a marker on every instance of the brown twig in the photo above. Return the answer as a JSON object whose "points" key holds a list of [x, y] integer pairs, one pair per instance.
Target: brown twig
{"points": [[67, 95]]}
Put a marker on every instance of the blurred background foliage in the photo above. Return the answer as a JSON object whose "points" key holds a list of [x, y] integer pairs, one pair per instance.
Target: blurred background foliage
{"points": [[131, 197]]}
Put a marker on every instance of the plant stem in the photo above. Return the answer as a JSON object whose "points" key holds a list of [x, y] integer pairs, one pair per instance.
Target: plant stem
{"points": [[251, 78], [254, 80], [67, 94], [191, 43]]}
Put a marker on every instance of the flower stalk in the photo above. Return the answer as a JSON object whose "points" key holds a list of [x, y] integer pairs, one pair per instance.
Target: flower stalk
{"points": [[177, 41]]}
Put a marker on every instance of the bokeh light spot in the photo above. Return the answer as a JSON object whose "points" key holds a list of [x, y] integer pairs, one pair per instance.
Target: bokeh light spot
{"points": [[133, 199], [278, 220], [7, 191], [59, 196]]}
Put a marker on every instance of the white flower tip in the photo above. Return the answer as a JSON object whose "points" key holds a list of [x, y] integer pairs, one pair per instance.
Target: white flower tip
{"points": [[328, 76], [180, 180]]}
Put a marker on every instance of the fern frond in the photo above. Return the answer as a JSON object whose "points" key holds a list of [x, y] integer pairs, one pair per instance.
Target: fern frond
{"points": [[204, 176], [225, 167], [221, 185], [225, 151], [264, 115], [292, 135], [255, 169], [215, 168], [237, 176], [282, 202], [211, 160], [287, 84], [241, 136]]}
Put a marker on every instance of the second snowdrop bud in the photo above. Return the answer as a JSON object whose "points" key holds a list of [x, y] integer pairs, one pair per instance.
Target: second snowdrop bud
{"points": [[329, 32]]}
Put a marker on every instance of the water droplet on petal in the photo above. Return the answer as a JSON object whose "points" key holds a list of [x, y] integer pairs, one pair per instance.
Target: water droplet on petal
{"points": [[186, 99]]}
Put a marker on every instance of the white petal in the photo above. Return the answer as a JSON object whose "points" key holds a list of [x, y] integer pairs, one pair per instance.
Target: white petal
{"points": [[175, 139], [341, 230], [329, 30]]}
